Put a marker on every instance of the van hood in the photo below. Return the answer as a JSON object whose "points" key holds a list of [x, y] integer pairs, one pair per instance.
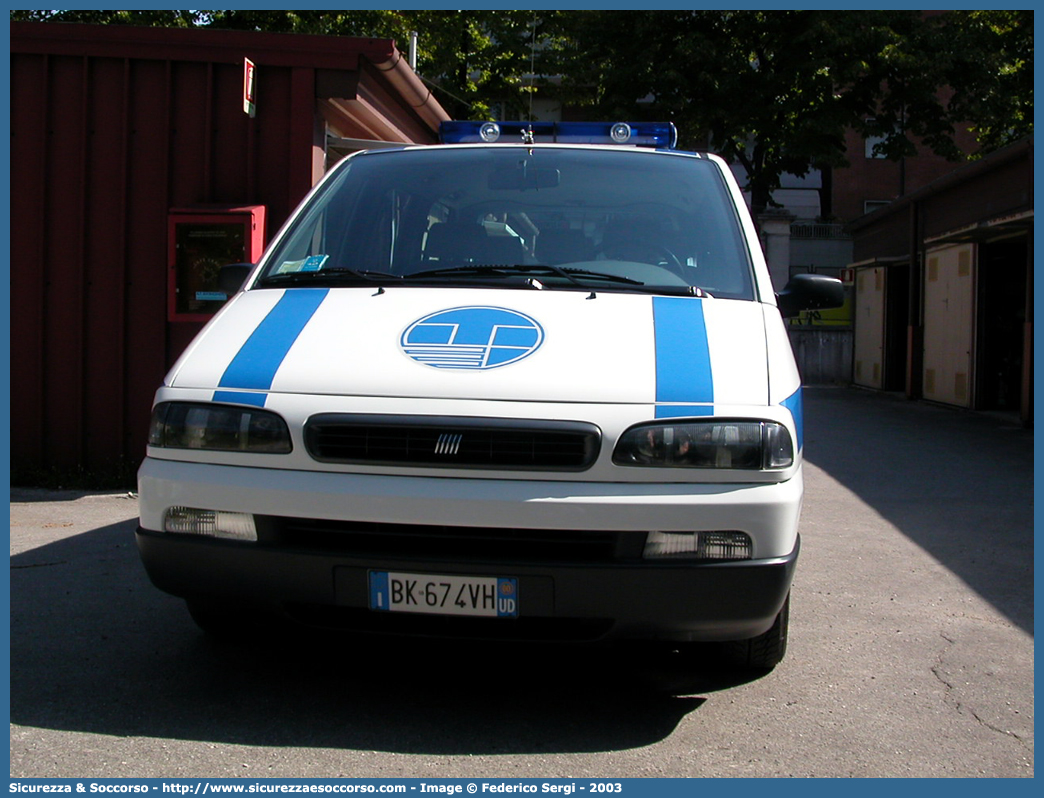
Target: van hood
{"points": [[482, 344]]}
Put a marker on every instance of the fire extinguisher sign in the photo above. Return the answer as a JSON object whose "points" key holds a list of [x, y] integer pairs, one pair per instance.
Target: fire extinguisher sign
{"points": [[249, 87]]}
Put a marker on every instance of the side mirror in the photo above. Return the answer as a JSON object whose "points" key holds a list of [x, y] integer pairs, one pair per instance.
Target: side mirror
{"points": [[810, 292], [232, 276]]}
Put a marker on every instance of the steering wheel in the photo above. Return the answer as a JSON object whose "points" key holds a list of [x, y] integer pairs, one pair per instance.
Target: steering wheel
{"points": [[670, 260]]}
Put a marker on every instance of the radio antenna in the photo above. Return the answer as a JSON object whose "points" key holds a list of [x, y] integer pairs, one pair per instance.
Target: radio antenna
{"points": [[528, 137], [532, 67]]}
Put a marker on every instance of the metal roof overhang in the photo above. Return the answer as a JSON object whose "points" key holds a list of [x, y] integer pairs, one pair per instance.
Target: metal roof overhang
{"points": [[889, 261], [383, 101], [1005, 226]]}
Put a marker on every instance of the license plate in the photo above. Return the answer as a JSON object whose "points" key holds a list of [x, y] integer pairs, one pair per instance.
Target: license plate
{"points": [[485, 596]]}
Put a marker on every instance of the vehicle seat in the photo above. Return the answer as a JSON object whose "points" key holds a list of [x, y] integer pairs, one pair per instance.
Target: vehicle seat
{"points": [[458, 244]]}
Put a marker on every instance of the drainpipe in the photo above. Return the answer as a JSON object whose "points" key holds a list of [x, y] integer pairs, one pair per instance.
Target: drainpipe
{"points": [[413, 50]]}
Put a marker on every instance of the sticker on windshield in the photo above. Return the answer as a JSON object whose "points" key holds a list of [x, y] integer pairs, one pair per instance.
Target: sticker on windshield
{"points": [[312, 263], [472, 338]]}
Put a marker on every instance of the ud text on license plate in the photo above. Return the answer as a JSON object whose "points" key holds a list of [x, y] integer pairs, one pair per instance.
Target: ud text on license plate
{"points": [[488, 596]]}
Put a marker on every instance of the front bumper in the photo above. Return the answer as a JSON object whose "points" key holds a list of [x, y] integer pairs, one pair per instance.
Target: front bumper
{"points": [[705, 601], [324, 577]]}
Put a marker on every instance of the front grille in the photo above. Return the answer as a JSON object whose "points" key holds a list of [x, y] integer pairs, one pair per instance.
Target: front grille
{"points": [[436, 442], [450, 544]]}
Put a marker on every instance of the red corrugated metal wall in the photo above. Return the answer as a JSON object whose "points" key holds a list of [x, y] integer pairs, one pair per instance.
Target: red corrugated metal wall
{"points": [[112, 128], [102, 148]]}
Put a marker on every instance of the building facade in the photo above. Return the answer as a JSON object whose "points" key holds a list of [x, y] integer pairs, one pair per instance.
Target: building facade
{"points": [[811, 233], [944, 288]]}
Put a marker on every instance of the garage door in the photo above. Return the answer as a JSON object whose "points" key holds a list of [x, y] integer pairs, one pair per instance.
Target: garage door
{"points": [[868, 366], [949, 324]]}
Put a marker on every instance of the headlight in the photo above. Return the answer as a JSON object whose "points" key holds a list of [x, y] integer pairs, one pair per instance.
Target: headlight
{"points": [[225, 428], [751, 445]]}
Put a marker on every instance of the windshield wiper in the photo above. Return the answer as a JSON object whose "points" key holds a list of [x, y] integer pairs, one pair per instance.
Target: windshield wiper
{"points": [[615, 278], [582, 278], [673, 290], [499, 270], [575, 276], [327, 275]]}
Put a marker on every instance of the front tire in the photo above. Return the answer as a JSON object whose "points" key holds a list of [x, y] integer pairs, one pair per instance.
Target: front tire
{"points": [[765, 651]]}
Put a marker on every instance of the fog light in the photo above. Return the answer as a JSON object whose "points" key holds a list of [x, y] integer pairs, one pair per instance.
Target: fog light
{"points": [[698, 546], [210, 523]]}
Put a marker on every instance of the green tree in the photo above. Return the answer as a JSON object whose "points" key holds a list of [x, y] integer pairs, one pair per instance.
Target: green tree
{"points": [[478, 59], [989, 66], [776, 91], [772, 91]]}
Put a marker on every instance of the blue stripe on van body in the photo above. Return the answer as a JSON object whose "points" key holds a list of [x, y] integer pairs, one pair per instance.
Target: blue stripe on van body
{"points": [[795, 405], [683, 367], [241, 397], [683, 411], [255, 365]]}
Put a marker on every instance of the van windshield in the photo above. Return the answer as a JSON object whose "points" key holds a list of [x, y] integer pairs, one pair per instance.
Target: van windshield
{"points": [[554, 217]]}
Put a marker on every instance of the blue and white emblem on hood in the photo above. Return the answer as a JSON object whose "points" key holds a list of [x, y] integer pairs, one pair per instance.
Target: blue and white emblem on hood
{"points": [[472, 338]]}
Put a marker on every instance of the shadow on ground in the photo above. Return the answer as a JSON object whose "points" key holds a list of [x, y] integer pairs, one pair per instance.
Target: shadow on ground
{"points": [[959, 484], [95, 648]]}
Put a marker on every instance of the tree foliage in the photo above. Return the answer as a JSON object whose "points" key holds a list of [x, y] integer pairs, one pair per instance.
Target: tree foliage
{"points": [[775, 91], [989, 65]]}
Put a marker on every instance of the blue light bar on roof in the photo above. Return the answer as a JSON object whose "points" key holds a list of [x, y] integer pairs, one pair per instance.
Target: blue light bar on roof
{"points": [[641, 134]]}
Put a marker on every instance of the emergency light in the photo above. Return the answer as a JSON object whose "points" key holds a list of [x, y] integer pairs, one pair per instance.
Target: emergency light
{"points": [[662, 135]]}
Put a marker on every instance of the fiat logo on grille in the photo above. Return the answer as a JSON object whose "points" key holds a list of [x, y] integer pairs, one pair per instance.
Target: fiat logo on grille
{"points": [[449, 443], [478, 338]]}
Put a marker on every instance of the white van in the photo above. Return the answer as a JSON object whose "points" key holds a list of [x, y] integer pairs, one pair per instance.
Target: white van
{"points": [[536, 390]]}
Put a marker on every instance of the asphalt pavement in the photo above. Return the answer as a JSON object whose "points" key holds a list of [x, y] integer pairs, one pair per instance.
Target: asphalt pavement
{"points": [[911, 649]]}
